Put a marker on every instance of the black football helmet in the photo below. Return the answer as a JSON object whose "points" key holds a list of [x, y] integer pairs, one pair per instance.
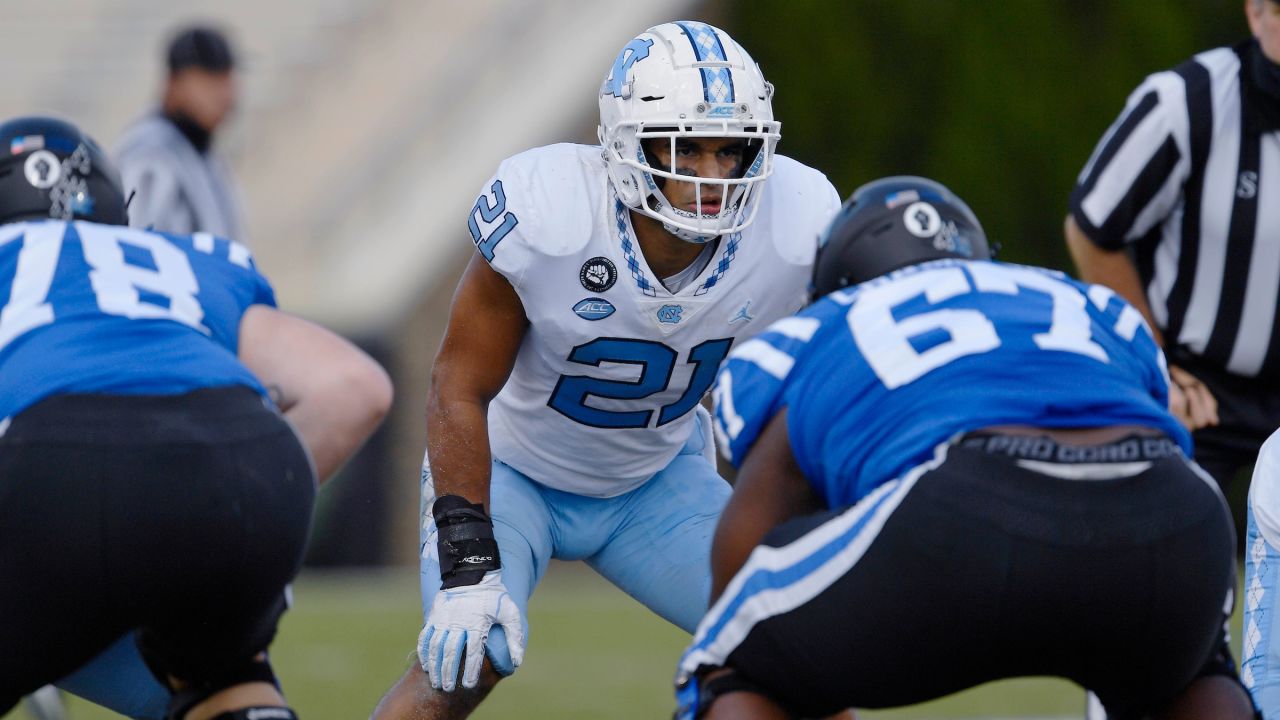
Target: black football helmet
{"points": [[891, 223], [50, 169]]}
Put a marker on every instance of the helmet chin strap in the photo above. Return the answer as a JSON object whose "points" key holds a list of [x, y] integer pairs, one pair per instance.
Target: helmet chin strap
{"points": [[688, 235]]}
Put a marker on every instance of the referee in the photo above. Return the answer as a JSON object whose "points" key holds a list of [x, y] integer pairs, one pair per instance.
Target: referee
{"points": [[180, 182], [1178, 209]]}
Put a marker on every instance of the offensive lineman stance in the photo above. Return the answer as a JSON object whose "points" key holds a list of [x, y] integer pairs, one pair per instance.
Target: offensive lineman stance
{"points": [[609, 284], [146, 479], [920, 511]]}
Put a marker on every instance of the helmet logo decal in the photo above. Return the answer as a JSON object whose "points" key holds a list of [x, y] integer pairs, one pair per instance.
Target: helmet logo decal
{"points": [[598, 274], [24, 143], [616, 83], [717, 83], [900, 197], [43, 169], [951, 239], [71, 196], [922, 219]]}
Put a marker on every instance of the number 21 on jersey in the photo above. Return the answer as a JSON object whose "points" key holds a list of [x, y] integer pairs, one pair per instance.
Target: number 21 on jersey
{"points": [[657, 364]]}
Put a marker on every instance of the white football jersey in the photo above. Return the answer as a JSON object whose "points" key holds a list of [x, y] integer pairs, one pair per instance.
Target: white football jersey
{"points": [[612, 365]]}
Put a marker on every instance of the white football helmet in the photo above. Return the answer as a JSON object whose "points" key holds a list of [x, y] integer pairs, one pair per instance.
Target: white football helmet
{"points": [[687, 80]]}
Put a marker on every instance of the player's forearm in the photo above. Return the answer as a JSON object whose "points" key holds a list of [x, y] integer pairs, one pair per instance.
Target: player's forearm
{"points": [[333, 394], [1111, 268], [458, 447]]}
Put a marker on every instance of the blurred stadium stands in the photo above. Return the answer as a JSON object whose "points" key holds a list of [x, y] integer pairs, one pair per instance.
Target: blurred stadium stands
{"points": [[365, 130]]}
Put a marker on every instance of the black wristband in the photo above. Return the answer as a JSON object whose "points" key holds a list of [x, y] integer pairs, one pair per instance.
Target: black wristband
{"points": [[465, 541]]}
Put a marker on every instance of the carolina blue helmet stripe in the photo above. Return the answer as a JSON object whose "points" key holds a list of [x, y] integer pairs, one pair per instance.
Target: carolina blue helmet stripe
{"points": [[717, 83]]}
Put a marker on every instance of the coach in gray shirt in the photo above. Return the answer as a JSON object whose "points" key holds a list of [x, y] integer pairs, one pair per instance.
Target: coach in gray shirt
{"points": [[166, 157]]}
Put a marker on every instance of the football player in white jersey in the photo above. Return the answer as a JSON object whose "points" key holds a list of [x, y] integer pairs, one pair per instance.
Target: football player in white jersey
{"points": [[609, 283]]}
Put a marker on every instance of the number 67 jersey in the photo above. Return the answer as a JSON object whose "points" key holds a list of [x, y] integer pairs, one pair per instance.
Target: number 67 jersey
{"points": [[875, 377], [91, 308], [613, 364]]}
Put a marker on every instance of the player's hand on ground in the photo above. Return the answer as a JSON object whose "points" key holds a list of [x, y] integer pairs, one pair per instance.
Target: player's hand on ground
{"points": [[1190, 400], [458, 627]]}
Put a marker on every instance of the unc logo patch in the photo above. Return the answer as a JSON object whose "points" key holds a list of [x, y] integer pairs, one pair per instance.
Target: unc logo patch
{"points": [[618, 84], [593, 308], [598, 274], [670, 314]]}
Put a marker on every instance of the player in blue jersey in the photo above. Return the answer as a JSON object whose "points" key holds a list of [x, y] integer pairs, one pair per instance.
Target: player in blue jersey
{"points": [[952, 471], [161, 430]]}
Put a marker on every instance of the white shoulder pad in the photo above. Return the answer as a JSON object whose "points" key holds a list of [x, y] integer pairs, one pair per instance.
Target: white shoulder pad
{"points": [[801, 203], [540, 202]]}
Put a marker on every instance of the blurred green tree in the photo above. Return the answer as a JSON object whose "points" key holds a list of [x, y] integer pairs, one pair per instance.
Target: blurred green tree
{"points": [[1003, 100]]}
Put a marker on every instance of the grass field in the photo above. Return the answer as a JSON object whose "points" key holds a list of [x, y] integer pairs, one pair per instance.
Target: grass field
{"points": [[593, 654]]}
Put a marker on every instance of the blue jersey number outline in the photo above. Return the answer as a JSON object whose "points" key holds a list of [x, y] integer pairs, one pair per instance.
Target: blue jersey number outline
{"points": [[657, 363], [489, 213]]}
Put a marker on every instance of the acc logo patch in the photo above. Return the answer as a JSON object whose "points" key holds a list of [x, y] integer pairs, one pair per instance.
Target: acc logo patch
{"points": [[42, 169], [670, 314], [922, 219], [598, 274], [593, 308]]}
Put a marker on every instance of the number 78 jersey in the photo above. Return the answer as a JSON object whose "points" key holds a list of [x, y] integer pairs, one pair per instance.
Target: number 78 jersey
{"points": [[875, 377], [613, 364], [91, 308]]}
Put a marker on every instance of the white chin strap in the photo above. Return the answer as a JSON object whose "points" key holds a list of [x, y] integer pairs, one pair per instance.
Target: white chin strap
{"points": [[689, 235]]}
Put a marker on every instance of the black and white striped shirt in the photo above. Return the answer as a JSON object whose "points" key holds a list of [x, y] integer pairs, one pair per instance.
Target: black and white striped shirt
{"points": [[1187, 177]]}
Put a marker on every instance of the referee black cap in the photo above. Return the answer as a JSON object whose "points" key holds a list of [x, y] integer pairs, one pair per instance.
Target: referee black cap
{"points": [[200, 47]]}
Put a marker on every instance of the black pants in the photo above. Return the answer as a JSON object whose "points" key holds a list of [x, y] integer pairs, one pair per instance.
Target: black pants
{"points": [[180, 516], [988, 570]]}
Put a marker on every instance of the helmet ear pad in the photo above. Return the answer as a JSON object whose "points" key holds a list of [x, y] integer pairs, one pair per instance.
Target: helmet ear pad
{"points": [[891, 223]]}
